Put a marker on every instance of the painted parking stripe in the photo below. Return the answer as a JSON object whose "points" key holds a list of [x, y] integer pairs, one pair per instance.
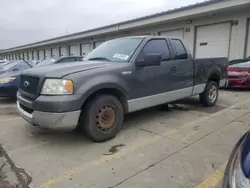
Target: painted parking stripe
{"points": [[212, 180]]}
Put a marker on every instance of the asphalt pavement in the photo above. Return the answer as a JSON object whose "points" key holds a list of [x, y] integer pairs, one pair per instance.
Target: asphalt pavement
{"points": [[183, 147]]}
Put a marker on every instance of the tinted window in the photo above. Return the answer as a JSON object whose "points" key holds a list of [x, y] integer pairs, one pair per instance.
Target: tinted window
{"points": [[156, 46], [242, 65], [79, 58], [65, 60], [20, 67], [179, 49], [69, 59]]}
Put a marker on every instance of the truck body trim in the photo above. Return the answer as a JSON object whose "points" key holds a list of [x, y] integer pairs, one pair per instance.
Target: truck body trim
{"points": [[154, 100], [223, 82], [198, 89]]}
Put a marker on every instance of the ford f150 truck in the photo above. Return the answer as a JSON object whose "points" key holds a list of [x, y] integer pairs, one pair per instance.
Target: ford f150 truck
{"points": [[120, 76]]}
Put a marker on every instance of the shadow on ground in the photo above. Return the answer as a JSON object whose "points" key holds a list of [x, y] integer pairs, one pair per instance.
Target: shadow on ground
{"points": [[10, 175]]}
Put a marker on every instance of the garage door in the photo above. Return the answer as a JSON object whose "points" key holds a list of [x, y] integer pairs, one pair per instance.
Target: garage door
{"points": [[74, 50], [41, 54], [54, 52], [173, 33], [35, 55], [30, 55], [213, 40], [248, 40], [64, 51], [86, 48], [98, 43], [47, 54], [25, 56]]}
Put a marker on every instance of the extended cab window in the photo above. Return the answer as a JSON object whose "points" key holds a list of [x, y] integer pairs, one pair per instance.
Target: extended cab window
{"points": [[179, 49], [156, 46]]}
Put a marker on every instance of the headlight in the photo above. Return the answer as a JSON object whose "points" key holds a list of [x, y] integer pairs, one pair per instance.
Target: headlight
{"points": [[57, 87], [6, 80], [239, 180]]}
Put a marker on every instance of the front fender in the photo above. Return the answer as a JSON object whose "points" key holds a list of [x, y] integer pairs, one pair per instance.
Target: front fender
{"points": [[102, 82]]}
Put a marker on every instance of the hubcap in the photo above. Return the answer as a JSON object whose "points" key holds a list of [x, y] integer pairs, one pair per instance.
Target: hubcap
{"points": [[105, 119], [212, 94]]}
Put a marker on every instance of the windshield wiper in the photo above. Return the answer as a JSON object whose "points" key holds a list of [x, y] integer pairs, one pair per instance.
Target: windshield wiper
{"points": [[99, 58]]}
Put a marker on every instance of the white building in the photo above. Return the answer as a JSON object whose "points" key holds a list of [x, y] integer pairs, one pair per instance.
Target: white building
{"points": [[215, 28]]}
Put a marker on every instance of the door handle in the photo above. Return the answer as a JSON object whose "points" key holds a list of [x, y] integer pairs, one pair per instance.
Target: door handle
{"points": [[173, 69]]}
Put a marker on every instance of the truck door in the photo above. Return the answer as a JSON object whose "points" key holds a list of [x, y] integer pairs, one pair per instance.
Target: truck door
{"points": [[153, 80], [183, 70]]}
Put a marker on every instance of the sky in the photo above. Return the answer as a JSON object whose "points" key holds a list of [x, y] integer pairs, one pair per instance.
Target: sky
{"points": [[26, 21]]}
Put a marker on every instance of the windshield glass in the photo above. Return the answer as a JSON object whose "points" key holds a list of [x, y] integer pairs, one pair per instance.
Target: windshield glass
{"points": [[242, 65], [117, 50], [46, 62]]}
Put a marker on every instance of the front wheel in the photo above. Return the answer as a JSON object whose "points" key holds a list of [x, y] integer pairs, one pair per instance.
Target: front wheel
{"points": [[210, 94], [102, 118]]}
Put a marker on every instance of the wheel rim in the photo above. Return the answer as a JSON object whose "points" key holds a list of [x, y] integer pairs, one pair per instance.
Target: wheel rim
{"points": [[106, 119], [212, 94]]}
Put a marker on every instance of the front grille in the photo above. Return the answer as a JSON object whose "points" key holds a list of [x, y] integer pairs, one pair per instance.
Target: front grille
{"points": [[28, 84]]}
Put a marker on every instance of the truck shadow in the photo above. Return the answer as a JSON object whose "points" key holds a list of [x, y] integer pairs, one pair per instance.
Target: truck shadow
{"points": [[73, 137]]}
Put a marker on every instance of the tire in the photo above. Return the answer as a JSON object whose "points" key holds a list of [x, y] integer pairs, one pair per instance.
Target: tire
{"points": [[102, 118], [205, 98]]}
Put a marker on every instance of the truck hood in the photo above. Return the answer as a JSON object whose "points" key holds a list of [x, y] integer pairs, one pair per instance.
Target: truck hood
{"points": [[63, 69]]}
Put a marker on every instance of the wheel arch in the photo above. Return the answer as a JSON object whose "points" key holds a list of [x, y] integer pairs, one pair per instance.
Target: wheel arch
{"points": [[107, 88], [215, 76]]}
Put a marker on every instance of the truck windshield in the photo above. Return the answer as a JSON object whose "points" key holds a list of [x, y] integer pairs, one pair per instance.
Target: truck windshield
{"points": [[117, 50]]}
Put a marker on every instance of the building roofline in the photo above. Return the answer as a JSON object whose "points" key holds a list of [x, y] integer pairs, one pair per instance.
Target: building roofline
{"points": [[124, 24]]}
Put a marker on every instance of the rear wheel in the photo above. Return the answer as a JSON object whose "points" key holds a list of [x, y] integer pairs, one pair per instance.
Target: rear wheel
{"points": [[102, 118], [210, 95]]}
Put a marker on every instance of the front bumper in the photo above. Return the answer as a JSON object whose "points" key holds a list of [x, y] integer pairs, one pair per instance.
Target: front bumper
{"points": [[239, 83], [46, 119]]}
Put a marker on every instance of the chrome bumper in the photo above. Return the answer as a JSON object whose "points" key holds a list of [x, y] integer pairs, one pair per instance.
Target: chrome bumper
{"points": [[49, 119]]}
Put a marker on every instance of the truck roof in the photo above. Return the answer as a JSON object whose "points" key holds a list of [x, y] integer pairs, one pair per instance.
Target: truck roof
{"points": [[153, 37]]}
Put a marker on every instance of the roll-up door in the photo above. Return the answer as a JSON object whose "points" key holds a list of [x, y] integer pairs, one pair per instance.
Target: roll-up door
{"points": [[30, 55], [248, 40], [54, 52], [74, 50], [35, 54], [173, 33], [47, 53], [25, 56], [85, 49], [41, 54], [64, 51], [213, 40]]}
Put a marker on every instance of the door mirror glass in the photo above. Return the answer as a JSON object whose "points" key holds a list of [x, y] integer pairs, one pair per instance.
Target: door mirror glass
{"points": [[153, 59]]}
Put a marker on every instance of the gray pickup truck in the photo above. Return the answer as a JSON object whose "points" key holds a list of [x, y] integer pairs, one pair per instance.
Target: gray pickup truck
{"points": [[120, 76]]}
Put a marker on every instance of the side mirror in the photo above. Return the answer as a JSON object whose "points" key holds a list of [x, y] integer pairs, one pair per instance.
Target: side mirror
{"points": [[149, 60]]}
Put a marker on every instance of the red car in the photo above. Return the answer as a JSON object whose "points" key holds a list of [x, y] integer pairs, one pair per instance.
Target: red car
{"points": [[239, 75]]}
